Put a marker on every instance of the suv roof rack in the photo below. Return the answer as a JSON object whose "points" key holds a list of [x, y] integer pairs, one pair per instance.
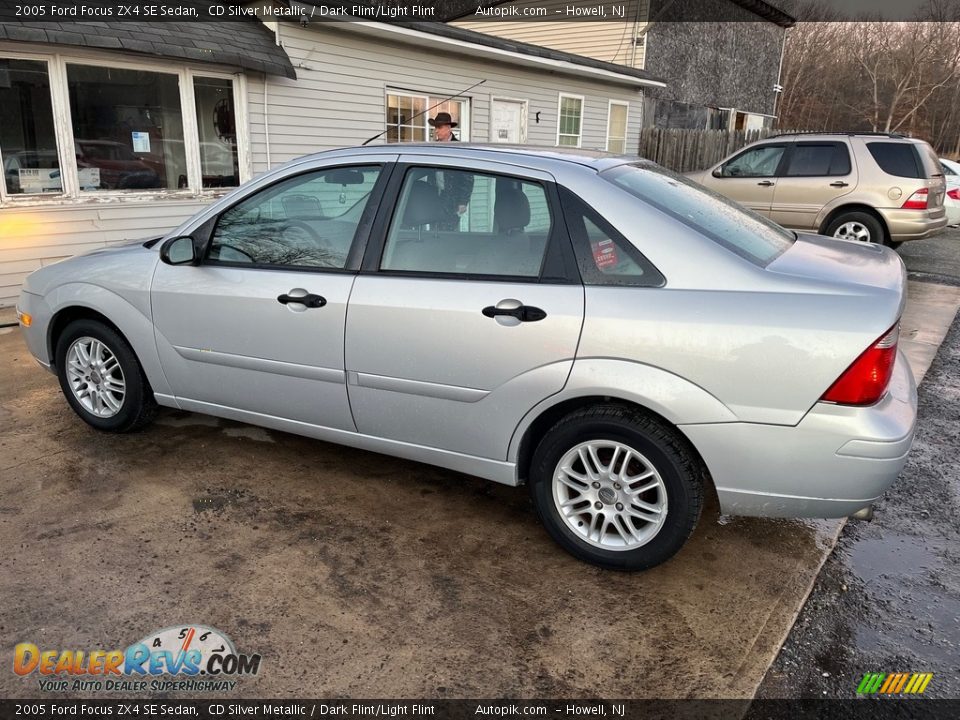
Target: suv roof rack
{"points": [[849, 133]]}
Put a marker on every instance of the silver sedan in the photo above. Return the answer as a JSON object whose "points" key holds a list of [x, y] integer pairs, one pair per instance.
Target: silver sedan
{"points": [[596, 327]]}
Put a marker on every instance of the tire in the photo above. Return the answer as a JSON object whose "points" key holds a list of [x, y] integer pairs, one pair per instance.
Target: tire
{"points": [[853, 225], [107, 409], [624, 542]]}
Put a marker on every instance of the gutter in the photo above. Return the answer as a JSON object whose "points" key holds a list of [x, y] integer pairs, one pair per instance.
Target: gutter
{"points": [[421, 39]]}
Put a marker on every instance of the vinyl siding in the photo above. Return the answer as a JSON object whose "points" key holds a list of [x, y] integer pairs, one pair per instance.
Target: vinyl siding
{"points": [[599, 39], [342, 74]]}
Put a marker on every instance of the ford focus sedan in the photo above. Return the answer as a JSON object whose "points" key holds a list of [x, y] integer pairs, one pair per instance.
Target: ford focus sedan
{"points": [[602, 330]]}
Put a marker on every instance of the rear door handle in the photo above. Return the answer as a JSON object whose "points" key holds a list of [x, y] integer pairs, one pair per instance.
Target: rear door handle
{"points": [[514, 309], [765, 183], [309, 300], [839, 183]]}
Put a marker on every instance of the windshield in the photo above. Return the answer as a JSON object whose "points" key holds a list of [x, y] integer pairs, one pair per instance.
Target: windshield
{"points": [[721, 220]]}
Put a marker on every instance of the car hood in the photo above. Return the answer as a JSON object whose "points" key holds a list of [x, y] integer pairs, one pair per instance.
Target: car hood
{"points": [[122, 267]]}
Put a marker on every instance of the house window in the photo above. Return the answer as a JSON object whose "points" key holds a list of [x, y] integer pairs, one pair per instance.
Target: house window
{"points": [[617, 127], [28, 142], [408, 116], [127, 128], [217, 127], [570, 124], [124, 128]]}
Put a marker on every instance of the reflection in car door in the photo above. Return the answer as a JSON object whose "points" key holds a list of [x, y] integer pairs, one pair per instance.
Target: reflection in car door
{"points": [[749, 177], [258, 326], [458, 326]]}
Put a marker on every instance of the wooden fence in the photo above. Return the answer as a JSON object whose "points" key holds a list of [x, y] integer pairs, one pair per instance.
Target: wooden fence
{"points": [[687, 150]]}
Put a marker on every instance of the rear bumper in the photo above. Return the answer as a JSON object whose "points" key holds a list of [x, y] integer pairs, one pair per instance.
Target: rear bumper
{"points": [[913, 224], [837, 460]]}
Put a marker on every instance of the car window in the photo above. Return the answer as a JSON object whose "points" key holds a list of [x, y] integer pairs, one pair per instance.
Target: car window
{"points": [[946, 170], [605, 256], [460, 222], [818, 160], [309, 220], [712, 215], [761, 161], [899, 159]]}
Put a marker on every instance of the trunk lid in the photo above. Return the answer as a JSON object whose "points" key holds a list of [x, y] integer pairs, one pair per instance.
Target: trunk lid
{"points": [[856, 266]]}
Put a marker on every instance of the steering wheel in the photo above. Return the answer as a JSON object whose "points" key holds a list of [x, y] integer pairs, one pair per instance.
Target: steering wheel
{"points": [[295, 230]]}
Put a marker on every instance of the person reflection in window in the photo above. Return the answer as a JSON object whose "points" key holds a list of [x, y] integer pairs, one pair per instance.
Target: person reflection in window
{"points": [[455, 187]]}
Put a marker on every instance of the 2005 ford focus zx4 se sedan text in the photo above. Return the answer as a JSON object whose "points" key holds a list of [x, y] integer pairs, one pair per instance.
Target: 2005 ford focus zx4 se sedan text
{"points": [[617, 338]]}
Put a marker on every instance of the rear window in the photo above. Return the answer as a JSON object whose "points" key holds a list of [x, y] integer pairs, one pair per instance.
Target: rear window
{"points": [[721, 220], [899, 159], [812, 160]]}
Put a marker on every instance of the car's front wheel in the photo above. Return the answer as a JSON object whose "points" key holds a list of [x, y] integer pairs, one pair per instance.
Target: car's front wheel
{"points": [[101, 377], [617, 488]]}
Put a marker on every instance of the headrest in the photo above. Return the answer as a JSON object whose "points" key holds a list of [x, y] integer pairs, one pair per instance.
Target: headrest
{"points": [[423, 205], [511, 211]]}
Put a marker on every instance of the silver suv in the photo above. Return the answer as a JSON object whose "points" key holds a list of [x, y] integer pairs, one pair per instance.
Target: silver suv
{"points": [[872, 187]]}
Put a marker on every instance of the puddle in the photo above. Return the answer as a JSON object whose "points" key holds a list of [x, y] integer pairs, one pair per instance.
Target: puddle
{"points": [[894, 557], [186, 419], [207, 504], [249, 432]]}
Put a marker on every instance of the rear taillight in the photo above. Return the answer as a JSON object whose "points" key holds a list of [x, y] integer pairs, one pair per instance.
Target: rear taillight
{"points": [[917, 201], [864, 382], [954, 194]]}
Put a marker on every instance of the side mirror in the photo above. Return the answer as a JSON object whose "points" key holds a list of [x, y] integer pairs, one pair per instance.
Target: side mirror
{"points": [[180, 250], [717, 172]]}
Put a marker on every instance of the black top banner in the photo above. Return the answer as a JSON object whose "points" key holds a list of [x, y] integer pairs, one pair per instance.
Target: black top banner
{"points": [[784, 13]]}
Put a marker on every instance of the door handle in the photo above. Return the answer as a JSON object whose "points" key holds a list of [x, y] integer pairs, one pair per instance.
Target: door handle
{"points": [[765, 183], [310, 300], [523, 313], [839, 183]]}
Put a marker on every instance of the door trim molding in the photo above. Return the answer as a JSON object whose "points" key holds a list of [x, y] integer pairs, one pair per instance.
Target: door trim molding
{"points": [[274, 367], [416, 387]]}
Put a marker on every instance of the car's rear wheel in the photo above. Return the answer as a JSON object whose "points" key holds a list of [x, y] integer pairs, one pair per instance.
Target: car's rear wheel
{"points": [[101, 377], [859, 226], [616, 487]]}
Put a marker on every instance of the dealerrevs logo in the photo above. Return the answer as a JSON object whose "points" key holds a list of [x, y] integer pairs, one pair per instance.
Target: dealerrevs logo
{"points": [[183, 657]]}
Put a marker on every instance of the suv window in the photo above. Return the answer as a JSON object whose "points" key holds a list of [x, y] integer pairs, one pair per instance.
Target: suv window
{"points": [[306, 221], [760, 161], [721, 220], [818, 160], [896, 158], [458, 222]]}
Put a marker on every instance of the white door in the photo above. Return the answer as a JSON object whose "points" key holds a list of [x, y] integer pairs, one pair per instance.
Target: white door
{"points": [[508, 121]]}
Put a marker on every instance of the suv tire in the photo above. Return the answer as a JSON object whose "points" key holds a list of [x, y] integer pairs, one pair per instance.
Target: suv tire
{"points": [[860, 226]]}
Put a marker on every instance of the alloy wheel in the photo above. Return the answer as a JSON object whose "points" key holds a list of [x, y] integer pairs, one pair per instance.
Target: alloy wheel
{"points": [[853, 230], [609, 495], [95, 377]]}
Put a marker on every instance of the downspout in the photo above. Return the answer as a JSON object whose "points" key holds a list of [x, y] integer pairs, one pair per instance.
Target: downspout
{"points": [[777, 94], [266, 100]]}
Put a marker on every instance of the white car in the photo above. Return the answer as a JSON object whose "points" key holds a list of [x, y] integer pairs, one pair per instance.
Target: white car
{"points": [[951, 173]]}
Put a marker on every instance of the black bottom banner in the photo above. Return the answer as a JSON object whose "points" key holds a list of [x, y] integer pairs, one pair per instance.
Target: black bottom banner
{"points": [[863, 709]]}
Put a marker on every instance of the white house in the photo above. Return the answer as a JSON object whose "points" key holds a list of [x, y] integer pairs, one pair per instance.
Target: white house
{"points": [[115, 131]]}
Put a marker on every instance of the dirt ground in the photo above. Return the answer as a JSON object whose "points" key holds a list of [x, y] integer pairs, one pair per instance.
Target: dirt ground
{"points": [[358, 575]]}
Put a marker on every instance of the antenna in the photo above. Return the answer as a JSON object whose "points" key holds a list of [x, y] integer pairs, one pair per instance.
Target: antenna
{"points": [[424, 112]]}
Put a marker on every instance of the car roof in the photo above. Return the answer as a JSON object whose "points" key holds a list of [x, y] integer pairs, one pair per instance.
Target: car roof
{"points": [[540, 157]]}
